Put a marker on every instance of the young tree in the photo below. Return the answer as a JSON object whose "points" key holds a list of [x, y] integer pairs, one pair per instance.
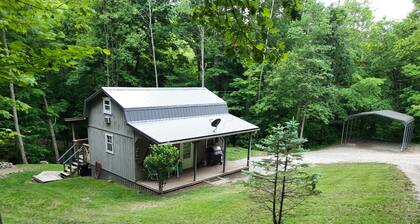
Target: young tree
{"points": [[161, 160], [279, 184]]}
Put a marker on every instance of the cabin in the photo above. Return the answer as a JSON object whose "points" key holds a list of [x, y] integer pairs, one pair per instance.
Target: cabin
{"points": [[122, 122]]}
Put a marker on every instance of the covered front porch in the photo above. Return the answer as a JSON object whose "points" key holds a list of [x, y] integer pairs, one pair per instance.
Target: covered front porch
{"points": [[202, 143], [193, 176]]}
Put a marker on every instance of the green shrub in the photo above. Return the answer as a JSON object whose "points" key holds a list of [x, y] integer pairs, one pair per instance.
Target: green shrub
{"points": [[36, 153], [161, 160]]}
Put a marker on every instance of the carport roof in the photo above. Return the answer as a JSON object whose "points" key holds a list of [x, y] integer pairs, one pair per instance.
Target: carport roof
{"points": [[386, 113]]}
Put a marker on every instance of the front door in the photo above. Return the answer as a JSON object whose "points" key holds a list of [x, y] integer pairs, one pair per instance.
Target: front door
{"points": [[187, 155]]}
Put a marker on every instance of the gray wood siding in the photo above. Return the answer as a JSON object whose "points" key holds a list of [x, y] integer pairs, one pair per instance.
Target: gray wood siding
{"points": [[201, 150], [118, 123], [122, 162]]}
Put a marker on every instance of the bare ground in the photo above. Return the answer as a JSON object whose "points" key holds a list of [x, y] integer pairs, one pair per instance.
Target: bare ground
{"points": [[4, 172], [408, 161]]}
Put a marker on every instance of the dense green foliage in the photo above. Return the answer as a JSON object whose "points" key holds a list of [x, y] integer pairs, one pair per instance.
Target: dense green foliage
{"points": [[162, 160], [271, 60], [351, 193]]}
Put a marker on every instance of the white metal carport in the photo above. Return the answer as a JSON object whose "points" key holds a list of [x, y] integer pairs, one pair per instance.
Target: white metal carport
{"points": [[407, 120]]}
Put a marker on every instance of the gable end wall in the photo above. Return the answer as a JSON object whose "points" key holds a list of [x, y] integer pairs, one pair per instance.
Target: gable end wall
{"points": [[122, 162]]}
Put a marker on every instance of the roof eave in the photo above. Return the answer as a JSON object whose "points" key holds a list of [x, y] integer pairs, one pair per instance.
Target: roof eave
{"points": [[252, 130]]}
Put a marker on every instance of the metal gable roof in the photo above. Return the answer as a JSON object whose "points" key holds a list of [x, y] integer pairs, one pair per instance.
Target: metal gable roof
{"points": [[192, 128], [134, 97], [387, 113], [168, 115]]}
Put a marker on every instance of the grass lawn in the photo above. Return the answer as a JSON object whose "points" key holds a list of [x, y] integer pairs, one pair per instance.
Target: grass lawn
{"points": [[351, 193], [237, 153]]}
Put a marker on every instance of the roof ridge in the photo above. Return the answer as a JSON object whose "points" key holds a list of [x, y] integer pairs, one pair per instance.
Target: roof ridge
{"points": [[175, 106], [154, 88]]}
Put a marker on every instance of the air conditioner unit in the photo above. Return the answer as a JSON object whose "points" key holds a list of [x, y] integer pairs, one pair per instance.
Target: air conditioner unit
{"points": [[108, 120]]}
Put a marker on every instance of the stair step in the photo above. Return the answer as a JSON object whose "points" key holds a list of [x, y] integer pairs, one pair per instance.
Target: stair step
{"points": [[73, 169], [74, 164], [65, 174]]}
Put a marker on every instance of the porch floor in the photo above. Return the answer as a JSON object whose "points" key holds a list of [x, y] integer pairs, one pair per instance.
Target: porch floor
{"points": [[187, 176]]}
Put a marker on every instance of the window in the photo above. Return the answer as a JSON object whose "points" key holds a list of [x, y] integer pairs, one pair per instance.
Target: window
{"points": [[109, 143], [107, 105], [186, 150]]}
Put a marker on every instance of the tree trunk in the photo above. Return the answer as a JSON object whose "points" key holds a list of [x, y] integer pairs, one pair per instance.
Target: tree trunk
{"points": [[302, 127], [273, 211], [153, 43], [14, 110], [265, 50], [198, 62], [202, 55], [283, 190], [160, 186], [52, 132], [106, 56]]}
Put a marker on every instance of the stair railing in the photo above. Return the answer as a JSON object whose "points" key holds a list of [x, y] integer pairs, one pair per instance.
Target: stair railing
{"points": [[67, 152], [76, 153]]}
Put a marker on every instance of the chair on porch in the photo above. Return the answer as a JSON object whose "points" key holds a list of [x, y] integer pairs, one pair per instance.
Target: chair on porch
{"points": [[151, 175], [177, 168]]}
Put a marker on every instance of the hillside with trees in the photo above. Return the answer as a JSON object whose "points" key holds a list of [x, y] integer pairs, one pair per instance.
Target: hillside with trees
{"points": [[271, 60]]}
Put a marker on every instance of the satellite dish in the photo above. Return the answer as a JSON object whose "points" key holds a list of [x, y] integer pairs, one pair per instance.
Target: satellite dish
{"points": [[215, 123]]}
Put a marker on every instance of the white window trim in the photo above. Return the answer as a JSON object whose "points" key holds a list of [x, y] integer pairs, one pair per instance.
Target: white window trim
{"points": [[109, 112], [106, 143]]}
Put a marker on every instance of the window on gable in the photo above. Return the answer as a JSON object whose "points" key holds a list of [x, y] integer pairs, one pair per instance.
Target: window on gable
{"points": [[109, 143], [107, 105]]}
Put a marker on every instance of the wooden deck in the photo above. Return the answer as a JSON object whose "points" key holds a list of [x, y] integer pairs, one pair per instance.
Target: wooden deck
{"points": [[203, 174]]}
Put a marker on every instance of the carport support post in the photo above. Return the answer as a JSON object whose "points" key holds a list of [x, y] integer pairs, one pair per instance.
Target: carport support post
{"points": [[347, 131], [404, 138], [195, 160], [224, 154], [351, 129], [249, 150], [342, 132]]}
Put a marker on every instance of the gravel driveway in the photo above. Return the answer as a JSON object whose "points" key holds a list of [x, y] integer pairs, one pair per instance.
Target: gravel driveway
{"points": [[408, 161]]}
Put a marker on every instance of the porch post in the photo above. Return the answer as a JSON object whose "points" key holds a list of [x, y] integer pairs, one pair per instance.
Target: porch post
{"points": [[195, 160], [72, 131], [224, 154], [249, 150]]}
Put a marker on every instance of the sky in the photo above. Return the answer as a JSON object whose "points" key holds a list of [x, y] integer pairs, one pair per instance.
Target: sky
{"points": [[391, 9]]}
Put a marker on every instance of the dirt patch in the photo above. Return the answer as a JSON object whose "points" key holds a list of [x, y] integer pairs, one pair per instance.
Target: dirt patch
{"points": [[4, 172]]}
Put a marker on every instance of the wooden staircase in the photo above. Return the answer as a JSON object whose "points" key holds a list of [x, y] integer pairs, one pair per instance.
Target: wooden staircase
{"points": [[72, 160], [74, 157]]}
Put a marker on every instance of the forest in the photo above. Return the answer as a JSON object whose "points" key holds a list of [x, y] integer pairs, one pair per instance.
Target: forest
{"points": [[271, 60]]}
